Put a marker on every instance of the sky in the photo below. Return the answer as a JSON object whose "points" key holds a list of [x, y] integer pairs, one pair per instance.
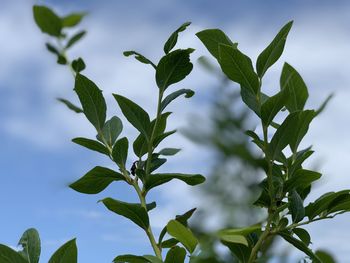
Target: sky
{"points": [[38, 159]]}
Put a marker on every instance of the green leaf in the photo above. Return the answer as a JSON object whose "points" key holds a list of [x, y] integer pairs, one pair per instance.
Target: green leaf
{"points": [[233, 238], [169, 242], [212, 38], [325, 257], [185, 217], [47, 20], [299, 245], [30, 242], [169, 151], [70, 105], [96, 180], [135, 212], [303, 235], [120, 152], [111, 131], [188, 94], [296, 207], [240, 231], [175, 255], [61, 60], [304, 120], [238, 67], [299, 158], [92, 145], [92, 101], [301, 179], [273, 51], [67, 253], [152, 259], [135, 115], [173, 68], [183, 234], [272, 106], [130, 259], [158, 179], [324, 104], [8, 255], [156, 163], [73, 19], [52, 49], [78, 65], [74, 39], [293, 83], [171, 42], [242, 252], [158, 139], [139, 57]]}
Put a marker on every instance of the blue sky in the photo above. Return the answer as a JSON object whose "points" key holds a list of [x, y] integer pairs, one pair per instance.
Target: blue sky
{"points": [[38, 160]]}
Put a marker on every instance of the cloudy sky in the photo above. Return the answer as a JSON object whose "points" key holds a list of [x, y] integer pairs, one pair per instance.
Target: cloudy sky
{"points": [[38, 160]]}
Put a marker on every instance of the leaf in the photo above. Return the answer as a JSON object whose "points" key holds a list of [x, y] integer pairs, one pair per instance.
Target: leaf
{"points": [[130, 259], [304, 120], [135, 115], [324, 104], [169, 151], [61, 60], [169, 242], [171, 42], [296, 207], [52, 49], [158, 179], [8, 255], [173, 68], [233, 238], [151, 206], [273, 51], [92, 145], [183, 234], [293, 83], [242, 252], [212, 38], [240, 231], [78, 65], [303, 235], [188, 94], [175, 255], [156, 163], [73, 19], [111, 130], [92, 101], [30, 242], [74, 39], [120, 152], [238, 67], [67, 253], [299, 245], [139, 57], [301, 179], [152, 259], [96, 180], [325, 257], [47, 20], [70, 105], [185, 217], [272, 106], [135, 212]]}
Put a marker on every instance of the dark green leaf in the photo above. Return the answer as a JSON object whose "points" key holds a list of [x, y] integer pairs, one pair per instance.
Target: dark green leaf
{"points": [[188, 94], [169, 242], [134, 212], [273, 51], [52, 49], [130, 259], [61, 60], [151, 206], [70, 105], [301, 179], [67, 253], [156, 163], [47, 20], [299, 158], [96, 180], [8, 255], [183, 234], [175, 255], [73, 19], [169, 151], [238, 67], [158, 179], [325, 257], [272, 106], [161, 137], [78, 65], [120, 152], [111, 131], [296, 207], [185, 217], [92, 145], [135, 115], [74, 39], [171, 42], [30, 242], [152, 259], [293, 83], [92, 101], [303, 235], [140, 58], [324, 104], [242, 252], [173, 68], [212, 38], [304, 120]]}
